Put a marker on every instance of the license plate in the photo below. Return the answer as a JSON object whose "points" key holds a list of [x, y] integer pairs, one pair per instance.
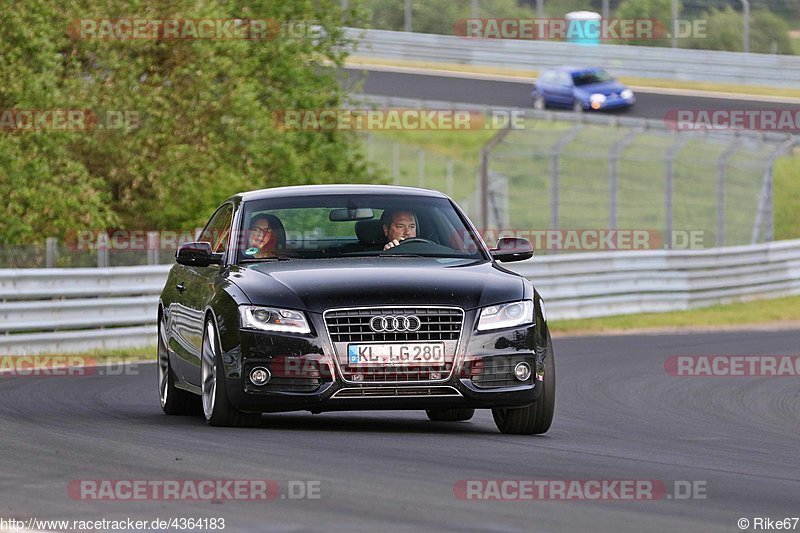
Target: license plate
{"points": [[418, 354]]}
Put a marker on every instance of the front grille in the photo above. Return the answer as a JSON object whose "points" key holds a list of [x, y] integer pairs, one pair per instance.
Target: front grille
{"points": [[437, 324], [496, 372], [393, 373], [393, 392], [352, 325]]}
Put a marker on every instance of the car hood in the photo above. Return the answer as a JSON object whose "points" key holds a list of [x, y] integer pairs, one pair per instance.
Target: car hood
{"points": [[320, 284], [606, 88]]}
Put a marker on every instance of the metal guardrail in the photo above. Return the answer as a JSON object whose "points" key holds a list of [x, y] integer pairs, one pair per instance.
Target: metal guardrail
{"points": [[609, 283], [78, 309], [770, 70], [68, 310]]}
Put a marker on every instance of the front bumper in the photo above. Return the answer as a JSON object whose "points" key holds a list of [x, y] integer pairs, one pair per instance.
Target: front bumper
{"points": [[304, 377], [615, 102]]}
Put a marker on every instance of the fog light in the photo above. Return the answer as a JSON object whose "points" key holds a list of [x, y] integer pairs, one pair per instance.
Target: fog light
{"points": [[522, 371], [259, 376]]}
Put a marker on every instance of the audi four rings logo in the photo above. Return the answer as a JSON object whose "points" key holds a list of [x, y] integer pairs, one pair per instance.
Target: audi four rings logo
{"points": [[400, 323]]}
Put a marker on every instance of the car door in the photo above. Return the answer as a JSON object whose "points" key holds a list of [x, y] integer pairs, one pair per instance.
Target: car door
{"points": [[545, 85], [198, 287], [563, 90]]}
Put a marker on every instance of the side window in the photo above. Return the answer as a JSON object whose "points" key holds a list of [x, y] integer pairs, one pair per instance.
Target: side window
{"points": [[548, 76], [218, 229], [565, 79]]}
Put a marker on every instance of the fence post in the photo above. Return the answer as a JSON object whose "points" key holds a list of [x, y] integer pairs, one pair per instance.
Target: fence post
{"points": [[153, 246], [421, 167], [555, 153], [721, 164], [448, 177], [766, 210], [483, 174], [102, 257], [396, 163], [613, 174], [669, 158], [370, 148], [51, 252]]}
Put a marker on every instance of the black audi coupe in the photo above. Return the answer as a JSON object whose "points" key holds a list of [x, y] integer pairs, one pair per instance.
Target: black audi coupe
{"points": [[352, 297]]}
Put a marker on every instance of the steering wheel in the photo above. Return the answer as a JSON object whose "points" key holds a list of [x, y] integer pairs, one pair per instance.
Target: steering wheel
{"points": [[416, 239]]}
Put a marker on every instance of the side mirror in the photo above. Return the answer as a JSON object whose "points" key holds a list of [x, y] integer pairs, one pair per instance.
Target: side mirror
{"points": [[511, 249], [197, 254]]}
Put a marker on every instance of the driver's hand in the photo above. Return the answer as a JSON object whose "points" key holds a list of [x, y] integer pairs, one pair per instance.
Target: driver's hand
{"points": [[392, 244]]}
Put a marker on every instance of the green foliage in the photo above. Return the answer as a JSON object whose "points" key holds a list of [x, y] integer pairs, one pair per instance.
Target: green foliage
{"points": [[203, 114], [438, 16], [768, 32], [660, 10]]}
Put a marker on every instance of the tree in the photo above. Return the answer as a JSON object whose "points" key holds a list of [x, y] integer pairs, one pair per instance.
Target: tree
{"points": [[768, 32], [659, 10], [205, 112]]}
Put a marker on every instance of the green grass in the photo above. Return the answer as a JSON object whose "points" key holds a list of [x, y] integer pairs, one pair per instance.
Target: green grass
{"points": [[739, 314], [116, 355], [787, 197]]}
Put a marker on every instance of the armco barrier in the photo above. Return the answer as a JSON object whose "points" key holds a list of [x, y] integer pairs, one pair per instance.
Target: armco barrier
{"points": [[67, 310], [769, 70], [61, 310]]}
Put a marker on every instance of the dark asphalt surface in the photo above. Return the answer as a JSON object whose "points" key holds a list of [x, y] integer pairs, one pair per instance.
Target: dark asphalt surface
{"points": [[619, 415], [513, 94]]}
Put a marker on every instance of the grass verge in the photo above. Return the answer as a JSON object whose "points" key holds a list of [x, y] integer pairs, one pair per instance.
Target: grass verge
{"points": [[739, 314]]}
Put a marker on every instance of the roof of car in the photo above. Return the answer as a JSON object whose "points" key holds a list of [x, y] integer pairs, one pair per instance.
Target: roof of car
{"points": [[576, 69], [311, 190]]}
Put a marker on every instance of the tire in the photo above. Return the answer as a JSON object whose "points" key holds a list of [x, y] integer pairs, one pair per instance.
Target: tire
{"points": [[217, 408], [174, 401], [536, 418], [539, 103], [456, 414]]}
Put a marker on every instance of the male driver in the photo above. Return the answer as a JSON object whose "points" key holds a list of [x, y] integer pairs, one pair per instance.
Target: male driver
{"points": [[397, 226]]}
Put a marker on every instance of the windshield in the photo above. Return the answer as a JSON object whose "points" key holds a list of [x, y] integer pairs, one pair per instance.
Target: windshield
{"points": [[589, 77], [353, 225]]}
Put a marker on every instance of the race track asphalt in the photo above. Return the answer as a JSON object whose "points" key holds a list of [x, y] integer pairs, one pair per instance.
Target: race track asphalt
{"points": [[619, 416]]}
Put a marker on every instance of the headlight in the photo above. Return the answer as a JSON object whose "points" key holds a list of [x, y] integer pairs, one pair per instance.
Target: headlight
{"points": [[627, 94], [597, 97], [506, 315], [273, 319]]}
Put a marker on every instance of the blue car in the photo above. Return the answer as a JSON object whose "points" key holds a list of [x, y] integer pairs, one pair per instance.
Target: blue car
{"points": [[580, 89]]}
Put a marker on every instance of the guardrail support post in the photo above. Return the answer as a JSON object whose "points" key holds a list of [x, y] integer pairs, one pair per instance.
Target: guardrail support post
{"points": [[51, 252]]}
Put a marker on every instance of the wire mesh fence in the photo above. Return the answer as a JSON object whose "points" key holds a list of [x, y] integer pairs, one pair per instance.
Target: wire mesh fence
{"points": [[578, 175]]}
